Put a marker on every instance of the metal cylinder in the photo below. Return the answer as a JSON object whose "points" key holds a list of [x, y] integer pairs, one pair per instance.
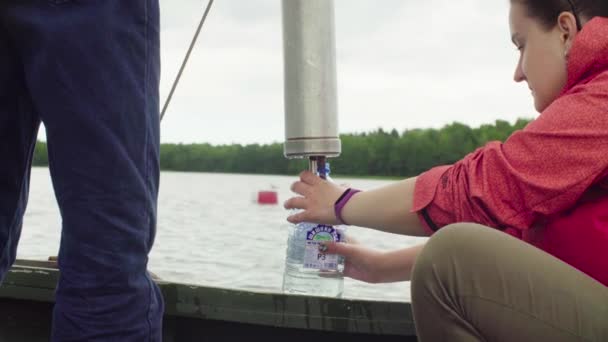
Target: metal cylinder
{"points": [[311, 110]]}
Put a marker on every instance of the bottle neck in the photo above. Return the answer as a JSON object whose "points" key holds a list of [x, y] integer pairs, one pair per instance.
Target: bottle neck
{"points": [[318, 167]]}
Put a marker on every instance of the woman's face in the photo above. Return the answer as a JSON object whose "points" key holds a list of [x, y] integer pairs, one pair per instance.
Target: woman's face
{"points": [[543, 53]]}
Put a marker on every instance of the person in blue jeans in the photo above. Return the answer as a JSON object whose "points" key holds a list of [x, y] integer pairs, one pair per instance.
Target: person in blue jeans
{"points": [[89, 70]]}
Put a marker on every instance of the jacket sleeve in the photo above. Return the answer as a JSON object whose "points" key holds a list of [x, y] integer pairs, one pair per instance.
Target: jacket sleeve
{"points": [[537, 172]]}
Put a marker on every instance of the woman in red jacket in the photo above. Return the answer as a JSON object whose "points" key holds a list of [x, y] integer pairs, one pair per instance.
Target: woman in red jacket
{"points": [[546, 185]]}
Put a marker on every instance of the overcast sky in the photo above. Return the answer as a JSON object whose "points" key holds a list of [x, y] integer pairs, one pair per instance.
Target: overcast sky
{"points": [[400, 64]]}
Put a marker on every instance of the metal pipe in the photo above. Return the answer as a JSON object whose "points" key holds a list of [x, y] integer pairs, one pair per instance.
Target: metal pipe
{"points": [[311, 110]]}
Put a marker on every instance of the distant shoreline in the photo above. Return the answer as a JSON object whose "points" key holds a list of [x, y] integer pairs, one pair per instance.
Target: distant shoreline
{"points": [[271, 174], [373, 155]]}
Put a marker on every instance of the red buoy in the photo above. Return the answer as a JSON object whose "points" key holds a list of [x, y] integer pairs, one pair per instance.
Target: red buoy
{"points": [[267, 197]]}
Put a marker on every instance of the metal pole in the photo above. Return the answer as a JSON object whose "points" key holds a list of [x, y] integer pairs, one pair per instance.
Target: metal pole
{"points": [[311, 109]]}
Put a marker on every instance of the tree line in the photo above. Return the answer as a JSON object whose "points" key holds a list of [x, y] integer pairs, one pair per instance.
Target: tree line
{"points": [[376, 153]]}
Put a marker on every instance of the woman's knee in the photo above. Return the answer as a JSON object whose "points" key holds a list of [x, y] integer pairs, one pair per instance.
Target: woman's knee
{"points": [[449, 244], [450, 239]]}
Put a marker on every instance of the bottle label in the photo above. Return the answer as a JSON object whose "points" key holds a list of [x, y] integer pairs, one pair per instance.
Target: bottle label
{"points": [[313, 257]]}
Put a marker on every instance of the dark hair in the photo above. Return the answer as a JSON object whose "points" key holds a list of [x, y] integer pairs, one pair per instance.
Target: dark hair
{"points": [[547, 11]]}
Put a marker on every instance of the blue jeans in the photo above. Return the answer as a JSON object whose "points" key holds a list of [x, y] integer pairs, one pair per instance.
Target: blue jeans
{"points": [[89, 70]]}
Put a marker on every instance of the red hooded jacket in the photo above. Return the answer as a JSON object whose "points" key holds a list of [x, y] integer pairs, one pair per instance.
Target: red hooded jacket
{"points": [[548, 183]]}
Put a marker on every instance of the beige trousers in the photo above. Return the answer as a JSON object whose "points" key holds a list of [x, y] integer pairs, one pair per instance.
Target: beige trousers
{"points": [[474, 283]]}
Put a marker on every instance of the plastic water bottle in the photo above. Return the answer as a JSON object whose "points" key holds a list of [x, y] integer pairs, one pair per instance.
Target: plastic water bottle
{"points": [[307, 270]]}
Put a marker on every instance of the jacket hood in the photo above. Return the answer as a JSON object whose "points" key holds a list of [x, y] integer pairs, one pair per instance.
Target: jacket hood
{"points": [[589, 52]]}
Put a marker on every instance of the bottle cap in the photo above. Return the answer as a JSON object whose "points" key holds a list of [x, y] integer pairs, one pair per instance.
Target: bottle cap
{"points": [[324, 171]]}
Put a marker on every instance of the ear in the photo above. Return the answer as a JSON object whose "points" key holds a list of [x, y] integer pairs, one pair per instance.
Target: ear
{"points": [[566, 24]]}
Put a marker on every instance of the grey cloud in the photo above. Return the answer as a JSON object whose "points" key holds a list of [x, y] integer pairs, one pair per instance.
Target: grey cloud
{"points": [[401, 64]]}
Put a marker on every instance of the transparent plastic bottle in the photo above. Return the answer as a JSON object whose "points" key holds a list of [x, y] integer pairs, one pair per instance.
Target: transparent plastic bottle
{"points": [[308, 271]]}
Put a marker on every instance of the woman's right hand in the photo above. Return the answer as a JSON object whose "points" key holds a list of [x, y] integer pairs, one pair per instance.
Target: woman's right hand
{"points": [[372, 266], [361, 263]]}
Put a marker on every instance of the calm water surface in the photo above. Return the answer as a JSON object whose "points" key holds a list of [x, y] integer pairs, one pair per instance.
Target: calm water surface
{"points": [[211, 232]]}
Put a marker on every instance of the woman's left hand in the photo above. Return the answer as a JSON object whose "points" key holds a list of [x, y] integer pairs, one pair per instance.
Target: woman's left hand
{"points": [[317, 199]]}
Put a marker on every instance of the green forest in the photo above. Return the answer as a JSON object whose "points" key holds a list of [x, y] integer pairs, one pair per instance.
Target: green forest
{"points": [[378, 153]]}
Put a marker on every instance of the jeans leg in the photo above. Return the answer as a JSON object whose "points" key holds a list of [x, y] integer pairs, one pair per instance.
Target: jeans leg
{"points": [[18, 130], [92, 68]]}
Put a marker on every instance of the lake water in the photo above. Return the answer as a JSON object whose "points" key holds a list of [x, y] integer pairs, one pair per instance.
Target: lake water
{"points": [[212, 232]]}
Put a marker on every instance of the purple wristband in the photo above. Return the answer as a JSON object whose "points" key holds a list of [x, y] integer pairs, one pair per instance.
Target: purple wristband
{"points": [[341, 202]]}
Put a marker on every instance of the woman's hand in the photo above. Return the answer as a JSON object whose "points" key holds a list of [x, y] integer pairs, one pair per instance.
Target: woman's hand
{"points": [[360, 263], [317, 199], [372, 266]]}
